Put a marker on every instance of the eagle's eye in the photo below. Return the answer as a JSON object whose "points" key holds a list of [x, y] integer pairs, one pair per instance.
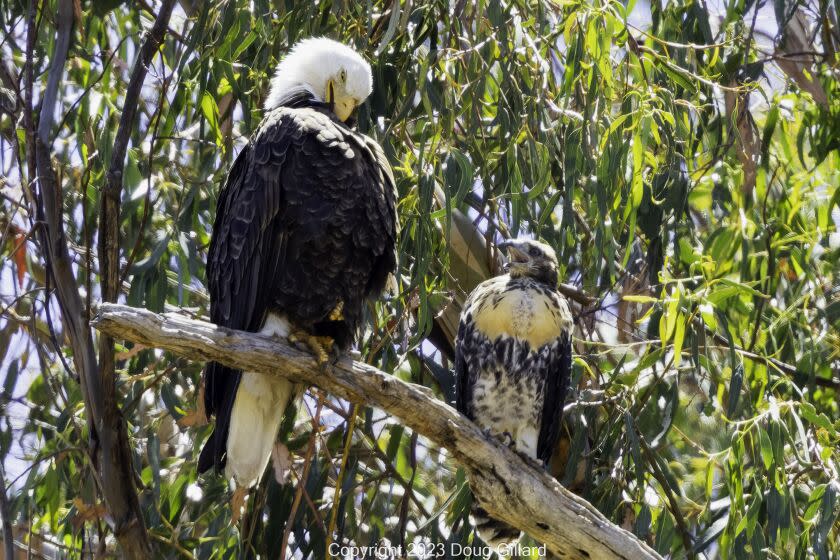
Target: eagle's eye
{"points": [[534, 252], [343, 75]]}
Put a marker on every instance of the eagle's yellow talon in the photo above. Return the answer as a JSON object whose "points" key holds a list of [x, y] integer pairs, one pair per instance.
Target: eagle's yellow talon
{"points": [[320, 346], [337, 314]]}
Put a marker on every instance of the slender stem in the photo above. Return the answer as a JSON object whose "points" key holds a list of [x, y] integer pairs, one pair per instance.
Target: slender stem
{"points": [[339, 481], [6, 516], [307, 462]]}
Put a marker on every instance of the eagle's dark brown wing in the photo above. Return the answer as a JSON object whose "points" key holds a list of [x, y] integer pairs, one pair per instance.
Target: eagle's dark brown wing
{"points": [[306, 219]]}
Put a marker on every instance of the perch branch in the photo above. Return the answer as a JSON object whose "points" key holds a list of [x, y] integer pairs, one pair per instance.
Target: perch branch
{"points": [[510, 489]]}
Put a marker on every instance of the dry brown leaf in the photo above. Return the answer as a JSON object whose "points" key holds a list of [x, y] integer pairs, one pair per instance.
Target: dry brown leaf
{"points": [[281, 461], [86, 512], [192, 419], [128, 354], [237, 503], [197, 417], [20, 257]]}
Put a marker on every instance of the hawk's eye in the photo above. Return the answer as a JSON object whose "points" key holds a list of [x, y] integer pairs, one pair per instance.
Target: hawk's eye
{"points": [[534, 252], [343, 75]]}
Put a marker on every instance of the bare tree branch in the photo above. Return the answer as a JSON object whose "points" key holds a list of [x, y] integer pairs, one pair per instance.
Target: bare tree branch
{"points": [[109, 225], [64, 24], [109, 257], [108, 431], [116, 474], [508, 487], [109, 213], [5, 515]]}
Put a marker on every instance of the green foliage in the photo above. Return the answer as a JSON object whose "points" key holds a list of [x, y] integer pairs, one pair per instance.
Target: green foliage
{"points": [[705, 417]]}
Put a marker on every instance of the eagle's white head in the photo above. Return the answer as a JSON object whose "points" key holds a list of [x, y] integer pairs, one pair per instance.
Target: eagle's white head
{"points": [[332, 72]]}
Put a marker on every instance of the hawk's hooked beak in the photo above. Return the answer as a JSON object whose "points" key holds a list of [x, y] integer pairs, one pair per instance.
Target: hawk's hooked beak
{"points": [[514, 253]]}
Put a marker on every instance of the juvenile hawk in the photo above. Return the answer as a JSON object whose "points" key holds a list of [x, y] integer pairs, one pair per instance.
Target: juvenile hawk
{"points": [[513, 357]]}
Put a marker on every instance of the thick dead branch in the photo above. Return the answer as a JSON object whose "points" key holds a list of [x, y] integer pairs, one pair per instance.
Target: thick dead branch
{"points": [[796, 38], [516, 492], [108, 430], [109, 253]]}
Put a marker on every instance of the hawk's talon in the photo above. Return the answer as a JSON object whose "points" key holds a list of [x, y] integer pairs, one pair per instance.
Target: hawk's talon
{"points": [[505, 438], [508, 439]]}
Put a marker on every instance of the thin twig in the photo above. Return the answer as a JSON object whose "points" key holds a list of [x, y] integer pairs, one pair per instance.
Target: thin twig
{"points": [[307, 463], [339, 481], [147, 199], [685, 532], [5, 515]]}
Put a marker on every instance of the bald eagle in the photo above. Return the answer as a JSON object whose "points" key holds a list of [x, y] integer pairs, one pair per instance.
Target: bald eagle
{"points": [[513, 357], [305, 232]]}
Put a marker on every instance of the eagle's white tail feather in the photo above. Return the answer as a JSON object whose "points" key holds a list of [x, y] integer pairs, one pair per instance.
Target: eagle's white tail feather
{"points": [[256, 416]]}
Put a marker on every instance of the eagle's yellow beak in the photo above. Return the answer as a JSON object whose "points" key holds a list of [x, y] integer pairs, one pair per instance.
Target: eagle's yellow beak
{"points": [[341, 104]]}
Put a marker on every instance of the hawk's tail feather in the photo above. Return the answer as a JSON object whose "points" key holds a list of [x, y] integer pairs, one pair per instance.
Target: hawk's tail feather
{"points": [[492, 531]]}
